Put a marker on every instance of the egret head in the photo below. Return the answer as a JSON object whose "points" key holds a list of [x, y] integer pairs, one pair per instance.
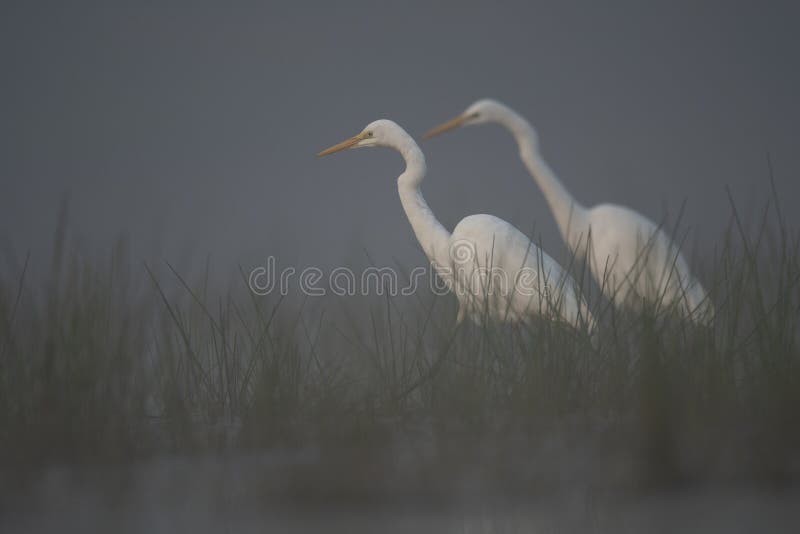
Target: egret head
{"points": [[378, 133], [481, 112]]}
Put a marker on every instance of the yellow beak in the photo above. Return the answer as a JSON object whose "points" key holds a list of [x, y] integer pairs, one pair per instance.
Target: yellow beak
{"points": [[344, 145], [446, 126]]}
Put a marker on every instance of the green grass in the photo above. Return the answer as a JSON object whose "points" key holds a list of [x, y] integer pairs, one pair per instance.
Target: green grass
{"points": [[107, 362]]}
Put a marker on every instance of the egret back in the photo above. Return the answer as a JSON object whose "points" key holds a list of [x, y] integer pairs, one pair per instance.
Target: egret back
{"points": [[633, 260], [501, 274]]}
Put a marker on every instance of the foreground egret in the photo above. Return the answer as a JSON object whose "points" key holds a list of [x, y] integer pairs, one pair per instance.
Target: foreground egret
{"points": [[630, 257], [492, 267]]}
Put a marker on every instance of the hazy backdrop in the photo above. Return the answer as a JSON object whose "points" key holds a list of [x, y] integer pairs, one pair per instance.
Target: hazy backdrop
{"points": [[193, 128]]}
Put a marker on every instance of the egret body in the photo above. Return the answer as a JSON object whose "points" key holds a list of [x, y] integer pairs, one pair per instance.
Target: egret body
{"points": [[493, 268], [631, 258]]}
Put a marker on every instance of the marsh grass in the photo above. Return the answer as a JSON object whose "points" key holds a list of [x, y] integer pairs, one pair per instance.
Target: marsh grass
{"points": [[109, 362]]}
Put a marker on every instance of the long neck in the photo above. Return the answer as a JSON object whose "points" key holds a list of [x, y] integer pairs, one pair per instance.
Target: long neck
{"points": [[569, 214], [432, 236]]}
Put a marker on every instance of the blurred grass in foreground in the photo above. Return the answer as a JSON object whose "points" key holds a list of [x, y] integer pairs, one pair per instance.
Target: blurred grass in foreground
{"points": [[108, 363]]}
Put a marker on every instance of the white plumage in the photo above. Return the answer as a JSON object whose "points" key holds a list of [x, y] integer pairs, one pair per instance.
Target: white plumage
{"points": [[631, 258], [495, 271]]}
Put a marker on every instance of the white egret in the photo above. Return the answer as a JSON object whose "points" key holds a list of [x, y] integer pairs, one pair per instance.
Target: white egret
{"points": [[494, 270], [631, 258]]}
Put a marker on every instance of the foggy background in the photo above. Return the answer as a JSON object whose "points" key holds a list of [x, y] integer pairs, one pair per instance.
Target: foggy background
{"points": [[194, 130]]}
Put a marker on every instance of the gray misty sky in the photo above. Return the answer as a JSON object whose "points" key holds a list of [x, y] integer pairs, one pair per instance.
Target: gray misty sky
{"points": [[195, 129]]}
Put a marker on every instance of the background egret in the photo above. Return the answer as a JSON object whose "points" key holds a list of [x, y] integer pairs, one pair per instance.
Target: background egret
{"points": [[631, 258]]}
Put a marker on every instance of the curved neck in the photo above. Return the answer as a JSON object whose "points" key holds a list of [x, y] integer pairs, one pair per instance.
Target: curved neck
{"points": [[569, 214], [432, 236]]}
